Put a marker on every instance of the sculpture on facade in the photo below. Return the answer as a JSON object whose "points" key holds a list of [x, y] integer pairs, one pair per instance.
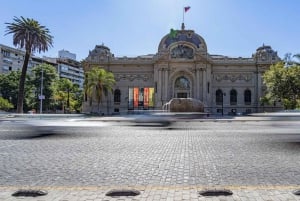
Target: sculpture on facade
{"points": [[182, 51]]}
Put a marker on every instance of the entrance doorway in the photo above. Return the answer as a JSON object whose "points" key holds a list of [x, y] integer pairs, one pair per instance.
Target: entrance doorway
{"points": [[182, 95], [182, 87]]}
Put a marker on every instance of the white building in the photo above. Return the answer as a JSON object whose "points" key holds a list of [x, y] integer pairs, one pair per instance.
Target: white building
{"points": [[69, 68], [12, 59], [183, 68]]}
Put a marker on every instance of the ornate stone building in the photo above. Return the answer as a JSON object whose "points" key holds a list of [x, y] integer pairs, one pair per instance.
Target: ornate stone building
{"points": [[183, 68]]}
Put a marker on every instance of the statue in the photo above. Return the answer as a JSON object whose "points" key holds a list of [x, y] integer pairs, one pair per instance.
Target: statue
{"points": [[182, 51]]}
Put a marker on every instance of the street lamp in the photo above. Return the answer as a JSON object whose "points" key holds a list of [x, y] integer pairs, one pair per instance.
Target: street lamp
{"points": [[223, 94], [107, 94], [41, 96]]}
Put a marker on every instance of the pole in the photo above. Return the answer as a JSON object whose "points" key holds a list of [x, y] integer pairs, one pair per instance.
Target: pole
{"points": [[41, 96], [183, 15], [68, 103], [107, 95]]}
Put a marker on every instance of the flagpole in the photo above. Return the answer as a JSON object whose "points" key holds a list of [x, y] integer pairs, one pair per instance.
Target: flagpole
{"points": [[183, 15]]}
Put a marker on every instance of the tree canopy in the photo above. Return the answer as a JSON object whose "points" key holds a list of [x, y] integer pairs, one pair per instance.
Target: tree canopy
{"points": [[283, 83], [98, 82]]}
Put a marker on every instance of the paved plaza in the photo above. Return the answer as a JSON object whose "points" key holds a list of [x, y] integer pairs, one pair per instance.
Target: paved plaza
{"points": [[256, 160]]}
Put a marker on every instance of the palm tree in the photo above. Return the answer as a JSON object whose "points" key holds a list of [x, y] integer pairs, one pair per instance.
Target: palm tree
{"points": [[28, 34], [98, 82]]}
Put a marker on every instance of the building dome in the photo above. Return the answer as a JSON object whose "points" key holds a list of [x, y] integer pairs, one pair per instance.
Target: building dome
{"points": [[100, 52], [266, 53], [182, 37], [264, 48]]}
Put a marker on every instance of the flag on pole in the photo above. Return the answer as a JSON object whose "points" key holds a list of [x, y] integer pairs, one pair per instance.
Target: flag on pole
{"points": [[187, 8]]}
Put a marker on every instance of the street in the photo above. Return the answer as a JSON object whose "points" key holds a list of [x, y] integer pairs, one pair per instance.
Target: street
{"points": [[199, 153]]}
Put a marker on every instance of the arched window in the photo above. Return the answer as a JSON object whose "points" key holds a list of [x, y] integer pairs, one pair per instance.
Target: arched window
{"points": [[247, 97], [233, 97], [219, 97], [182, 83], [117, 96]]}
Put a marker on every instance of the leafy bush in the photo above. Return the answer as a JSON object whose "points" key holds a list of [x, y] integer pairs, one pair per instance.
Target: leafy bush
{"points": [[5, 104]]}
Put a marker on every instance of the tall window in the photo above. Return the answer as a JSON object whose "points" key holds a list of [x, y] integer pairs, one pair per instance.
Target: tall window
{"points": [[247, 97], [117, 96], [219, 97], [233, 97]]}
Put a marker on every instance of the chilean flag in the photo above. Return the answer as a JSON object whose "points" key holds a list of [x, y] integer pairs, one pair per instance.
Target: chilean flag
{"points": [[187, 8]]}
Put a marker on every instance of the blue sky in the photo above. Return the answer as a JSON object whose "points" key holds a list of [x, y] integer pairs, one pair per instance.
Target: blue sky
{"points": [[135, 27]]}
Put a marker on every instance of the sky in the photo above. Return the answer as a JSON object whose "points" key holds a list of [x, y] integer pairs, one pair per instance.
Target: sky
{"points": [[234, 28]]}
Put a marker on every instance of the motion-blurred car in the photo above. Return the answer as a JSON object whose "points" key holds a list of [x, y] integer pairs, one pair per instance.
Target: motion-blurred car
{"points": [[153, 119]]}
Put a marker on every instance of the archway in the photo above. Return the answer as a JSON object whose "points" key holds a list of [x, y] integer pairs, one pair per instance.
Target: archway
{"points": [[182, 87]]}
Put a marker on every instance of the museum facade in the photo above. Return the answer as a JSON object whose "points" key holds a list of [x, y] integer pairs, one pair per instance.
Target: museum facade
{"points": [[182, 68]]}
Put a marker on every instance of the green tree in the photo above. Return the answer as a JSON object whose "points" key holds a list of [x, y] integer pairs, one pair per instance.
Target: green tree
{"points": [[68, 96], [63, 90], [28, 34], [78, 98], [50, 77], [5, 104], [98, 82], [283, 84], [9, 84]]}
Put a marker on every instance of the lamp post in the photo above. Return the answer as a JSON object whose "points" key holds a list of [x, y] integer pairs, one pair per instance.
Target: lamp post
{"points": [[41, 97], [223, 94], [107, 94]]}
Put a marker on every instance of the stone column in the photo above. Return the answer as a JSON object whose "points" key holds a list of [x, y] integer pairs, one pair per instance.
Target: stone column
{"points": [[201, 85], [259, 90], [159, 87], [204, 89], [198, 83], [166, 79]]}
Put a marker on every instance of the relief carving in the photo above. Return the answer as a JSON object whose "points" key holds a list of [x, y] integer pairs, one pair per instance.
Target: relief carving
{"points": [[233, 77], [132, 77], [182, 51]]}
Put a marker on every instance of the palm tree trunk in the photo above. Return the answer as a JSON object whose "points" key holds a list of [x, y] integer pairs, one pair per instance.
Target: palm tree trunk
{"points": [[22, 84]]}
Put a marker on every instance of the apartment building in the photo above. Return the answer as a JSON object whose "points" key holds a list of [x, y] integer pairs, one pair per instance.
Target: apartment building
{"points": [[11, 59], [69, 68]]}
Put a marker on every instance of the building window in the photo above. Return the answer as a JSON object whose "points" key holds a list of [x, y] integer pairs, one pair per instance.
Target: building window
{"points": [[182, 83], [117, 96], [208, 87], [5, 53], [247, 97], [233, 97], [219, 97]]}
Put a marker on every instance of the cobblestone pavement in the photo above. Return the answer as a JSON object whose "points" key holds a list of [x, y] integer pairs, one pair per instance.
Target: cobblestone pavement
{"points": [[256, 160]]}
